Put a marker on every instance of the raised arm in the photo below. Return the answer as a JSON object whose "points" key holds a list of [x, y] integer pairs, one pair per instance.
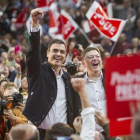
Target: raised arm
{"points": [[88, 123], [33, 59]]}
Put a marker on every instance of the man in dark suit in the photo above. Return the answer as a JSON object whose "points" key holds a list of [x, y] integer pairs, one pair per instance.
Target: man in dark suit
{"points": [[51, 96]]}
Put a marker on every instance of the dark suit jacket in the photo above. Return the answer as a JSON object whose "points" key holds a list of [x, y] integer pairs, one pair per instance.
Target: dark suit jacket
{"points": [[42, 86]]}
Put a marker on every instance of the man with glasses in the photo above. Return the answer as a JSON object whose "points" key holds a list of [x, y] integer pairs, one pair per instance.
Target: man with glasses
{"points": [[91, 59]]}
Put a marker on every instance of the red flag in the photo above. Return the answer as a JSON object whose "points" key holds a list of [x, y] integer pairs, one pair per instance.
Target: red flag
{"points": [[109, 27], [68, 25], [77, 2], [55, 27], [44, 4], [101, 3], [50, 2], [120, 127], [61, 26], [41, 3], [88, 26], [22, 18], [108, 10]]}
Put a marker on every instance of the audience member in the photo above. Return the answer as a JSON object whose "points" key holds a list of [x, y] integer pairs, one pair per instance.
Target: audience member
{"points": [[23, 132]]}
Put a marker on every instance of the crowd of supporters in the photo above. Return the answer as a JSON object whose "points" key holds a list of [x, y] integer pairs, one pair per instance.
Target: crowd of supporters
{"points": [[14, 74]]}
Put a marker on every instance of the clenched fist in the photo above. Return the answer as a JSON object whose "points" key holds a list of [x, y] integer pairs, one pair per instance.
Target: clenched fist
{"points": [[78, 84], [36, 14]]}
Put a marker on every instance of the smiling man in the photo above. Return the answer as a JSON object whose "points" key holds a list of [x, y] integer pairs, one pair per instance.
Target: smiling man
{"points": [[91, 59], [51, 95]]}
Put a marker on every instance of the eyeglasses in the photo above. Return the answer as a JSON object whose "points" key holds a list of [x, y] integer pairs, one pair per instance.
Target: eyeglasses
{"points": [[92, 57]]}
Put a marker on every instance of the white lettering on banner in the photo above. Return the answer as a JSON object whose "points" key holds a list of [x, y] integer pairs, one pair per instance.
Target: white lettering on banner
{"points": [[127, 86], [67, 27], [106, 24], [127, 78], [128, 92]]}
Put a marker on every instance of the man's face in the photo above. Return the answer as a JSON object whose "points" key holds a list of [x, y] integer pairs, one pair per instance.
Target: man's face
{"points": [[57, 54], [4, 70], [92, 61], [10, 91]]}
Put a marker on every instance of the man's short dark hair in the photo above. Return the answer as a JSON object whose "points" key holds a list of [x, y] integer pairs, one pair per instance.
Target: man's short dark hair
{"points": [[57, 41], [58, 129], [88, 49]]}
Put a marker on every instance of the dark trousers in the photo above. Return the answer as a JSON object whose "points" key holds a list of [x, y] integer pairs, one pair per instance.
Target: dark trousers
{"points": [[42, 133]]}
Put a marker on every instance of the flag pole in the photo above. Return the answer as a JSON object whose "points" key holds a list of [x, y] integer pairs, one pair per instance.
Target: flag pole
{"points": [[86, 37], [113, 48]]}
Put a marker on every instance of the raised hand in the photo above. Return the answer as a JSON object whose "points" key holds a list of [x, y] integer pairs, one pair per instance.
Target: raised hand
{"points": [[36, 14], [100, 118], [78, 84]]}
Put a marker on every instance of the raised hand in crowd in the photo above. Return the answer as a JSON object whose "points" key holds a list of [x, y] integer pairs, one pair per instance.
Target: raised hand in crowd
{"points": [[136, 121], [79, 86], [100, 118], [87, 114], [36, 14], [18, 68], [77, 124]]}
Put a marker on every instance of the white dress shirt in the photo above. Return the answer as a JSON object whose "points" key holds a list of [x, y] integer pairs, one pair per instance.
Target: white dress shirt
{"points": [[96, 94], [58, 111], [88, 124]]}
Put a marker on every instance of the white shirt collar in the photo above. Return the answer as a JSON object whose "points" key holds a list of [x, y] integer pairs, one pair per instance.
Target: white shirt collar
{"points": [[60, 74], [89, 80]]}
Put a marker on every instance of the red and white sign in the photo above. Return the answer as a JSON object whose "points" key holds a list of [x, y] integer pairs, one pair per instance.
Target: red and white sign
{"points": [[55, 24], [88, 26], [77, 2], [109, 27], [120, 127], [122, 85], [61, 25], [108, 10], [68, 25], [50, 2], [44, 4], [22, 18]]}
